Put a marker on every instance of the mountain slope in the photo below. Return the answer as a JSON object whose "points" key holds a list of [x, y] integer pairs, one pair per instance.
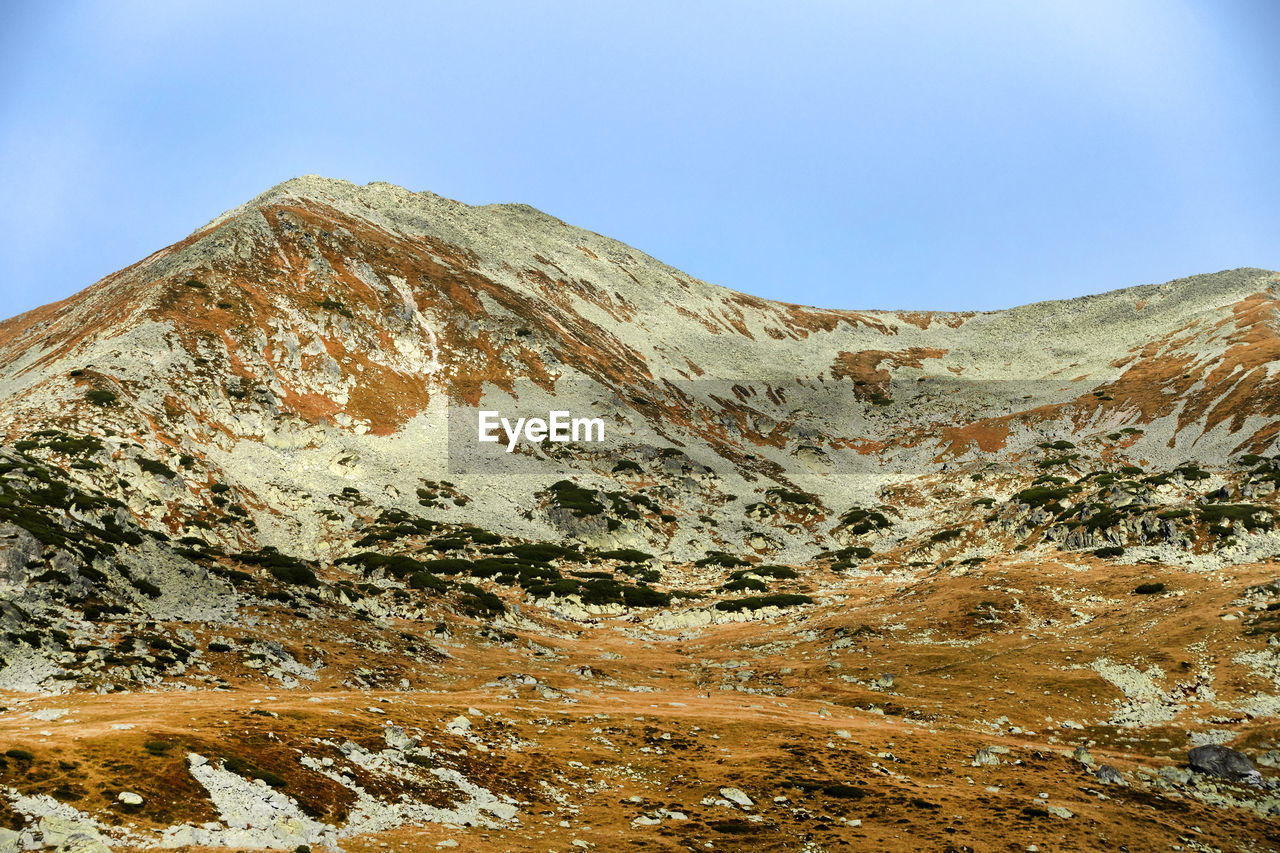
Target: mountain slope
{"points": [[323, 333], [833, 579]]}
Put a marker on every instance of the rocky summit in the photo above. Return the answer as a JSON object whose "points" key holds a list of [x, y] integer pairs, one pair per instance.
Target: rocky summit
{"points": [[821, 580]]}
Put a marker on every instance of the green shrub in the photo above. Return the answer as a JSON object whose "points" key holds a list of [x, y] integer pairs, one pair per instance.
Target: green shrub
{"points": [[1148, 588], [297, 575], [146, 587], [1038, 496], [641, 573], [789, 497], [158, 747], [720, 558], [760, 601], [643, 596], [19, 754], [581, 502], [1251, 517], [101, 397], [479, 602], [159, 469], [860, 520], [541, 552], [282, 567], [627, 465], [331, 304], [626, 555], [601, 591], [743, 584], [397, 566], [426, 580], [1109, 551], [559, 588], [768, 571]]}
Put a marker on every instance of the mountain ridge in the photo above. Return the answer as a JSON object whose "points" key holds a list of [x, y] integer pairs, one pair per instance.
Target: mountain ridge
{"points": [[324, 314], [317, 187]]}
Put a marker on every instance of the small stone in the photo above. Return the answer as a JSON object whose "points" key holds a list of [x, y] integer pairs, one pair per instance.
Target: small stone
{"points": [[1082, 755], [48, 715], [448, 842], [1108, 775], [736, 795], [1174, 775], [396, 738], [129, 798], [1059, 811], [986, 757]]}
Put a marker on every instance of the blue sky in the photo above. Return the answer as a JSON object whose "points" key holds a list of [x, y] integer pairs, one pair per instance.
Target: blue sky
{"points": [[951, 155]]}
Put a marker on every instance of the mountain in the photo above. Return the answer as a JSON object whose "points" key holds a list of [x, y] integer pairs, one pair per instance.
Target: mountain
{"points": [[250, 463]]}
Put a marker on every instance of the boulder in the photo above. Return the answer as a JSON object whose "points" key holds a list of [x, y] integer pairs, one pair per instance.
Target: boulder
{"points": [[1217, 760]]}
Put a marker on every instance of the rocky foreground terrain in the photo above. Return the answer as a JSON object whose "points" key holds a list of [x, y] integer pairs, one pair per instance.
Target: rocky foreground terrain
{"points": [[833, 580]]}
